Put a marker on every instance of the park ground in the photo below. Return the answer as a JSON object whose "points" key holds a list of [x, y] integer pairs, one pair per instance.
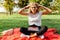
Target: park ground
{"points": [[17, 20]]}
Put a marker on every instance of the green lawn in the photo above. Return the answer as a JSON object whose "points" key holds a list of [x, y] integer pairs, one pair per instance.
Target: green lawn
{"points": [[13, 21]]}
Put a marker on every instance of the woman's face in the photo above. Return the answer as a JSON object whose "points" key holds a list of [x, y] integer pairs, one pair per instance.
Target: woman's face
{"points": [[33, 9]]}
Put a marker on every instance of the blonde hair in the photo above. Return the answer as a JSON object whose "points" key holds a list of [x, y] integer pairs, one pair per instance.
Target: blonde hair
{"points": [[34, 4]]}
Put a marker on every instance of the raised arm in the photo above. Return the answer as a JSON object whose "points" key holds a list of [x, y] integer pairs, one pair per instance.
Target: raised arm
{"points": [[21, 11], [46, 11]]}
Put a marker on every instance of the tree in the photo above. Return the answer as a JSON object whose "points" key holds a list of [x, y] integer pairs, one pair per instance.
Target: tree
{"points": [[42, 2], [37, 1], [8, 5], [22, 3], [55, 4]]}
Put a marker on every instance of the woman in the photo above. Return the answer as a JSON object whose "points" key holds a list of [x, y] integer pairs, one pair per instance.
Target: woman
{"points": [[34, 19]]}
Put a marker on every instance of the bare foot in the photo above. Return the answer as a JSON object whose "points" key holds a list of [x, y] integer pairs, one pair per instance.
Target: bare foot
{"points": [[33, 35], [7, 32]]}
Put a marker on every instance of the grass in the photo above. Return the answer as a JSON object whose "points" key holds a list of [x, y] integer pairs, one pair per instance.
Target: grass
{"points": [[13, 21]]}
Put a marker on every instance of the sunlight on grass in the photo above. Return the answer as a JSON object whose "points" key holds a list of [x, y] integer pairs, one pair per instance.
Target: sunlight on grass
{"points": [[18, 16], [51, 17]]}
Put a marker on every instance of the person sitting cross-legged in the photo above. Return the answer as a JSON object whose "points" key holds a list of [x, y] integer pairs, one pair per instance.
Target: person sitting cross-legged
{"points": [[33, 31]]}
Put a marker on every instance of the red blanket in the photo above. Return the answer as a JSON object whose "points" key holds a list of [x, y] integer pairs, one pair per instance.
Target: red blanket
{"points": [[49, 35]]}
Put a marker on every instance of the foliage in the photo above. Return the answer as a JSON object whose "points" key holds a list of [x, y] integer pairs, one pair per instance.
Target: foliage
{"points": [[9, 4], [22, 3], [38, 1], [53, 4], [56, 6], [42, 2]]}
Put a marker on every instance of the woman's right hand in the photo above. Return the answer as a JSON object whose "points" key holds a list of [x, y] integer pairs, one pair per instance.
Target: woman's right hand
{"points": [[26, 7]]}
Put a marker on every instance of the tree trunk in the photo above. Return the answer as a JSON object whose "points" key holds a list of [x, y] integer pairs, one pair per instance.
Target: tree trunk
{"points": [[10, 12]]}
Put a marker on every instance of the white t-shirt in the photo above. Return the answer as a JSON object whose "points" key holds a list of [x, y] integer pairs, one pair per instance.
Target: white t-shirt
{"points": [[35, 19]]}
